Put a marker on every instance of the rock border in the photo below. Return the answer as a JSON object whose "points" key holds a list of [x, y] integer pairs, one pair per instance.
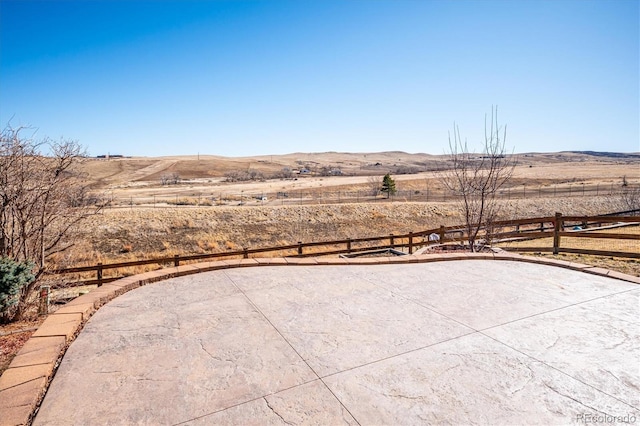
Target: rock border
{"points": [[26, 380]]}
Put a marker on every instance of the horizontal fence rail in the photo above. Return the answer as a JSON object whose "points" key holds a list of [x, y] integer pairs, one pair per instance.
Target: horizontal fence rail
{"points": [[182, 195], [586, 227], [558, 228]]}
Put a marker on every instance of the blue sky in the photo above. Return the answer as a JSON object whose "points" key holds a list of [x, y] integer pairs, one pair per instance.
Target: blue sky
{"points": [[241, 78]]}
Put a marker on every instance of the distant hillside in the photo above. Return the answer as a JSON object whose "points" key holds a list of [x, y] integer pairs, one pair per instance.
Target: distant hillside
{"points": [[623, 155], [109, 172]]}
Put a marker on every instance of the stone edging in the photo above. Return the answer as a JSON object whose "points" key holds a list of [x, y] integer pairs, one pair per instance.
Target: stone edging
{"points": [[24, 384]]}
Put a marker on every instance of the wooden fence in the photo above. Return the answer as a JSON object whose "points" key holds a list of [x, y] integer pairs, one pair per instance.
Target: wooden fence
{"points": [[203, 198], [555, 227]]}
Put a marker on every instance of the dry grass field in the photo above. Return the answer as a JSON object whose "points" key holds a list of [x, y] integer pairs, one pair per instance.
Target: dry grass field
{"points": [[119, 235], [145, 227], [138, 181]]}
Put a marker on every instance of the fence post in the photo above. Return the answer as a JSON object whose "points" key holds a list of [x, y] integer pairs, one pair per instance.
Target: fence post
{"points": [[43, 309], [410, 242], [442, 232], [391, 241], [176, 260], [299, 248], [99, 273], [348, 245], [557, 227]]}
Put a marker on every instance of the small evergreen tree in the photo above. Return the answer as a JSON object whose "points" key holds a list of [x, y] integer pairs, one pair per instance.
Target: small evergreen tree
{"points": [[14, 278], [388, 185]]}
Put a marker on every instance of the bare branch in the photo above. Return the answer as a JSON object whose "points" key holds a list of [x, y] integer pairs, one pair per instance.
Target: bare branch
{"points": [[476, 178], [42, 198]]}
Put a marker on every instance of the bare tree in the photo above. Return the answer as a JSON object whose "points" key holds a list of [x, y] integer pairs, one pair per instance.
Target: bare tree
{"points": [[285, 173], [630, 198], [325, 171], [170, 178], [42, 198], [476, 178], [373, 182], [243, 176]]}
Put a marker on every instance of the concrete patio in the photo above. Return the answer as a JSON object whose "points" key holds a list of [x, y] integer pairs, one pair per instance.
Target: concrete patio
{"points": [[458, 342]]}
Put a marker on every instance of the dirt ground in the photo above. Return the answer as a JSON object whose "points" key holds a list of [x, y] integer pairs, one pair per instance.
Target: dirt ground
{"points": [[626, 266], [13, 336]]}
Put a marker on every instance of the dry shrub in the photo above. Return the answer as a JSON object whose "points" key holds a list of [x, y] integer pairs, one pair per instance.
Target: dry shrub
{"points": [[230, 245], [207, 245]]}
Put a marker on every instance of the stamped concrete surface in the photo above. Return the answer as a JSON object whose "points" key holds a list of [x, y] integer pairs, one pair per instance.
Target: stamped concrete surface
{"points": [[460, 342]]}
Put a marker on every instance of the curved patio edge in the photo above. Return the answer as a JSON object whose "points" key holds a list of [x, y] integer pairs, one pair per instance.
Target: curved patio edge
{"points": [[25, 382]]}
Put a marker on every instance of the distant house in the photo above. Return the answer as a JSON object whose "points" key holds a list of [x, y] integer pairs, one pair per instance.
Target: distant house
{"points": [[107, 156]]}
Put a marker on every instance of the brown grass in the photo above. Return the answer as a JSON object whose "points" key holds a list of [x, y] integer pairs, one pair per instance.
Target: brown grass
{"points": [[204, 215], [627, 266], [629, 246], [121, 235], [137, 180]]}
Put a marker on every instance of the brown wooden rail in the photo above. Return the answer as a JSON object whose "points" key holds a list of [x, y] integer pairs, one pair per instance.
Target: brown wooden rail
{"points": [[531, 228]]}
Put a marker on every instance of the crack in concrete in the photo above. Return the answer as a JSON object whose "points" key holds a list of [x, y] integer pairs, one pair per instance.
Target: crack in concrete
{"points": [[177, 319], [206, 351], [447, 370], [275, 412], [613, 375], [554, 343], [419, 397], [529, 380], [345, 313], [572, 398], [217, 358], [624, 339]]}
